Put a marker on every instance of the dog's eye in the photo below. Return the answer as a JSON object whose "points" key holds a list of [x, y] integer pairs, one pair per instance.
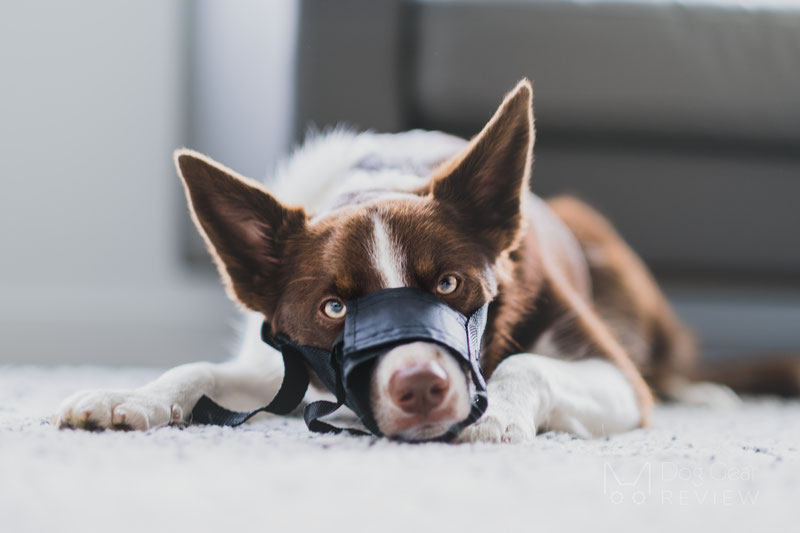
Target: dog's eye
{"points": [[447, 285], [334, 308]]}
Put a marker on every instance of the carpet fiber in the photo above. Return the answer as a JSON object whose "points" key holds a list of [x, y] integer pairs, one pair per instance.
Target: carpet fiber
{"points": [[732, 471]]}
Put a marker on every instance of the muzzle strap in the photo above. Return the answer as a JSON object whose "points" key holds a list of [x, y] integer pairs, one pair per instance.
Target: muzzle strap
{"points": [[293, 389], [374, 325], [320, 409], [290, 395]]}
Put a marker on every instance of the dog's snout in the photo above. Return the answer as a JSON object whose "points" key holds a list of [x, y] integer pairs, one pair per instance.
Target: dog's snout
{"points": [[419, 389]]}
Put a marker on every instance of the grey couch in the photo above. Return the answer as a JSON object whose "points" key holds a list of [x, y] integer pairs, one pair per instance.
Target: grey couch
{"points": [[679, 120]]}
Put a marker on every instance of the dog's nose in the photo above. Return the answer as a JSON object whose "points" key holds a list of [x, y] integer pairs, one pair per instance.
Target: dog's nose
{"points": [[420, 388]]}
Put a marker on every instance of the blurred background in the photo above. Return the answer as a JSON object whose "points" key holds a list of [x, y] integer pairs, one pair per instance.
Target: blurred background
{"points": [[679, 119]]}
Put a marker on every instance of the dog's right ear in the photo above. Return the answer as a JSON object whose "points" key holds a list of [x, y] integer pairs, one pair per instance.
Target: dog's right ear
{"points": [[486, 185], [246, 229]]}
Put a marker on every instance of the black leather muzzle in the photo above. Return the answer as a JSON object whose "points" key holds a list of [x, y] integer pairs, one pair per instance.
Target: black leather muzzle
{"points": [[374, 324]]}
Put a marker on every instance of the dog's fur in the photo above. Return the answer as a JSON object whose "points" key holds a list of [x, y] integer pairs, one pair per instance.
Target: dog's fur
{"points": [[578, 332]]}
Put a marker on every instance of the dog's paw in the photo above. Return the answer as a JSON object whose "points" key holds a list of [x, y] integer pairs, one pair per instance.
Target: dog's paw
{"points": [[703, 394], [98, 410], [500, 424]]}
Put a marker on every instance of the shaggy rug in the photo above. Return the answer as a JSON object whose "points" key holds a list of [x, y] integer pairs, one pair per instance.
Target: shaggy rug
{"points": [[694, 469]]}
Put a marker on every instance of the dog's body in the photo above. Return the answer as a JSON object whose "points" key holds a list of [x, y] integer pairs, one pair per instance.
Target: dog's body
{"points": [[578, 332]]}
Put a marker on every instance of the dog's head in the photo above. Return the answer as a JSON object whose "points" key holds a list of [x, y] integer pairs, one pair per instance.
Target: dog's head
{"points": [[451, 238]]}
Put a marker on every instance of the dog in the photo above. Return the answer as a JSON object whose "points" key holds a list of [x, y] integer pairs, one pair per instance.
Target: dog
{"points": [[579, 337]]}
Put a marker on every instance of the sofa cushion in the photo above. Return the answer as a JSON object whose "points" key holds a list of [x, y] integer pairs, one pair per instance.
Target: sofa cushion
{"points": [[691, 69]]}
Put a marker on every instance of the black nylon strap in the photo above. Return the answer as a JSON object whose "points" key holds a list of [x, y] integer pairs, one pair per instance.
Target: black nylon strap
{"points": [[404, 314], [293, 389], [322, 408]]}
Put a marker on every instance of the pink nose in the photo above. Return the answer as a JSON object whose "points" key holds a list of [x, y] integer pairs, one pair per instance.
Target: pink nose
{"points": [[419, 389]]}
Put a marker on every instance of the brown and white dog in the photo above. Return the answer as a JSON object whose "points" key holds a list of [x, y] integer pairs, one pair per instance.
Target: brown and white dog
{"points": [[578, 332]]}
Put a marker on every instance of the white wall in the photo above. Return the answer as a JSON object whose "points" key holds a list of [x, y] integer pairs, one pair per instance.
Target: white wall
{"points": [[94, 96], [242, 81]]}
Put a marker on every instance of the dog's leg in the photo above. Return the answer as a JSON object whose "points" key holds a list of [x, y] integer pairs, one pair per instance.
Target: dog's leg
{"points": [[701, 393], [588, 398], [247, 382]]}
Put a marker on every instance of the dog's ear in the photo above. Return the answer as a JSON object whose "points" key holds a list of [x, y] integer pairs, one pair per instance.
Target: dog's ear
{"points": [[486, 184], [246, 229]]}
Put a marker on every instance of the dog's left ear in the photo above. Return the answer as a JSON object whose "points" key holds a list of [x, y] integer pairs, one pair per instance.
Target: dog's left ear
{"points": [[487, 183], [247, 230]]}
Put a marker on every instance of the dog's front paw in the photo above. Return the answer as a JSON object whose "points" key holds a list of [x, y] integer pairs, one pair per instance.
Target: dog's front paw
{"points": [[127, 410], [500, 424]]}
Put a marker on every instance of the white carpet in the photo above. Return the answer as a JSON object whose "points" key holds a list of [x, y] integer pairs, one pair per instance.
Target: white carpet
{"points": [[731, 471]]}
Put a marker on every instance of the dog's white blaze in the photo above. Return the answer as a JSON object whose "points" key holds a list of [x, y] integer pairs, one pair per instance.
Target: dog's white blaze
{"points": [[386, 256]]}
